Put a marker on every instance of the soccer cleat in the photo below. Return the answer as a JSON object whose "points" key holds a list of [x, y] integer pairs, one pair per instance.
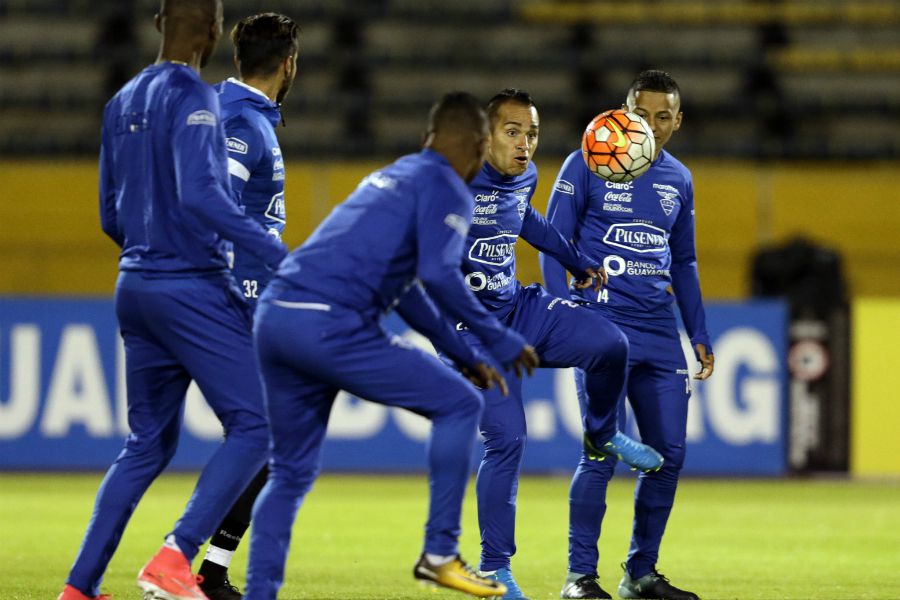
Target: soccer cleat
{"points": [[652, 585], [71, 593], [223, 591], [586, 587], [168, 577], [457, 575], [505, 576], [631, 452]]}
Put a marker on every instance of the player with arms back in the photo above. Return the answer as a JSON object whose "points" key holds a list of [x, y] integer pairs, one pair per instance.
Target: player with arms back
{"points": [[644, 229], [266, 50], [396, 242], [564, 333], [165, 200], [265, 53]]}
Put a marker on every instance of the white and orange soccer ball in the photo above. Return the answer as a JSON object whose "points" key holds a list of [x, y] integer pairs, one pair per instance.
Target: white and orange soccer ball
{"points": [[618, 146]]}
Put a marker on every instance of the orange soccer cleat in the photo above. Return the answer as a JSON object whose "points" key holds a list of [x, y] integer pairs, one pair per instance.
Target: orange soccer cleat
{"points": [[71, 593], [168, 577]]}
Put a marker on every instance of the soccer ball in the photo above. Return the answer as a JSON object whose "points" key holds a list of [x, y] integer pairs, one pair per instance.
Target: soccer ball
{"points": [[618, 146]]}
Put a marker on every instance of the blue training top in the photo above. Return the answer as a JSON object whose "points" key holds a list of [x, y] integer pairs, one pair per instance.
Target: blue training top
{"points": [[405, 222], [503, 212], [644, 230], [256, 168], [165, 198]]}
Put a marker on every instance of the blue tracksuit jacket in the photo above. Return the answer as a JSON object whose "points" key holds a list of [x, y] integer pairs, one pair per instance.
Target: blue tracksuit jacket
{"points": [[257, 171]]}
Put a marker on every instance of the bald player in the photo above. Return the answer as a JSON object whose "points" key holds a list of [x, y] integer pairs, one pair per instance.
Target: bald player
{"points": [[165, 200]]}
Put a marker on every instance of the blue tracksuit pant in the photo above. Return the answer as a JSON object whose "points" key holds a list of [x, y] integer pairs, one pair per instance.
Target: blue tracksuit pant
{"points": [[176, 330], [307, 352], [565, 334], [658, 389]]}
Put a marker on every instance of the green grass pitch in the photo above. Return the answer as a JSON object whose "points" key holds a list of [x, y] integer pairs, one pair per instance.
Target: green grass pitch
{"points": [[358, 537]]}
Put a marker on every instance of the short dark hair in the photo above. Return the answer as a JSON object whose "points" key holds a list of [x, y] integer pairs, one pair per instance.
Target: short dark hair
{"points": [[654, 80], [508, 95], [262, 41], [457, 111]]}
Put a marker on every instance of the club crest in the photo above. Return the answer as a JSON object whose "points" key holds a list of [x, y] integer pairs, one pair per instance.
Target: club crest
{"points": [[667, 201]]}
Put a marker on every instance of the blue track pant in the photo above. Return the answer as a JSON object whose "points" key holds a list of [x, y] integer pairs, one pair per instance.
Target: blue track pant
{"points": [[658, 389], [176, 330], [307, 352], [565, 334]]}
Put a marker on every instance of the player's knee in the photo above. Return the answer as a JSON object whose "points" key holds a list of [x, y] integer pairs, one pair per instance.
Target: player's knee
{"points": [[674, 455], [608, 348], [616, 346], [461, 400], [154, 452], [253, 433], [601, 470], [292, 480], [508, 443]]}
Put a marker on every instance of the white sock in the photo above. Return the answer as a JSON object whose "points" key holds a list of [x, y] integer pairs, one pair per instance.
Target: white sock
{"points": [[170, 543], [219, 556], [438, 559]]}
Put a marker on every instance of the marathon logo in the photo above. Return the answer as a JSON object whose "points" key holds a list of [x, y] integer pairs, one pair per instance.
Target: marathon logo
{"points": [[377, 179], [236, 145], [202, 117], [496, 250], [565, 187], [637, 237], [457, 224]]}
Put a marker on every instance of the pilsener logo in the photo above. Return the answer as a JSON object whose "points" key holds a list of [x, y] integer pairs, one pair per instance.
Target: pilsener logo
{"points": [[637, 237], [236, 145], [496, 250]]}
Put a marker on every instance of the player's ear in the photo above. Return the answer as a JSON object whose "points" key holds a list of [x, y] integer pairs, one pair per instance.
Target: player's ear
{"points": [[290, 66], [157, 22], [677, 121], [624, 106]]}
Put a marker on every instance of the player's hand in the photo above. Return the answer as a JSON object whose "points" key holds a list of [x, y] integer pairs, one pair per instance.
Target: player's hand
{"points": [[526, 362], [485, 376], [707, 362], [598, 278]]}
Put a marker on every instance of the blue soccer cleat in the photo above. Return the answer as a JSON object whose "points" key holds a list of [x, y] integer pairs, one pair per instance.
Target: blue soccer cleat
{"points": [[505, 576], [631, 452]]}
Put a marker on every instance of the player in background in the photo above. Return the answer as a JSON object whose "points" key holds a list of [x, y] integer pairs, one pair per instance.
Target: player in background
{"points": [[396, 242], [564, 333], [266, 48], [644, 229], [166, 201]]}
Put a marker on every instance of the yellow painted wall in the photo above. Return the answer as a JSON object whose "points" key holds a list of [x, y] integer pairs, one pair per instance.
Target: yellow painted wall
{"points": [[50, 241], [875, 414]]}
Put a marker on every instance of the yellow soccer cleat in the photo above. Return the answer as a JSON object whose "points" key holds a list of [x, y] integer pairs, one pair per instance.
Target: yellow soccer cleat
{"points": [[457, 575]]}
